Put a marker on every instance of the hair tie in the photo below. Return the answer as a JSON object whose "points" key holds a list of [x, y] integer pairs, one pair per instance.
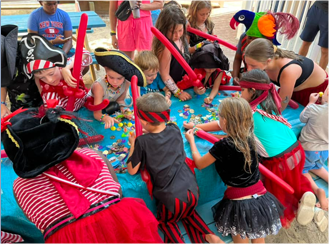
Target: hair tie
{"points": [[275, 48]]}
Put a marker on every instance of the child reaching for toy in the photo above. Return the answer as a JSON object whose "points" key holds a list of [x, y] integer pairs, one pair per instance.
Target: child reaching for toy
{"points": [[247, 210], [48, 65], [172, 23], [211, 62], [172, 182], [199, 18], [314, 139], [149, 64], [280, 152], [114, 86]]}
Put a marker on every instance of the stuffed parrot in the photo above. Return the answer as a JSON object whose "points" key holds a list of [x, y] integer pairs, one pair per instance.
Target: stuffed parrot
{"points": [[266, 24]]}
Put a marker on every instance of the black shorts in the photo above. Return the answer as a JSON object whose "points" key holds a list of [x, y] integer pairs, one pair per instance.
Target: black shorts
{"points": [[317, 20]]}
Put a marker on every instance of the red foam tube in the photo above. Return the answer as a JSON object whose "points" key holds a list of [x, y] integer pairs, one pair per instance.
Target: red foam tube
{"points": [[134, 91], [229, 88], [293, 104], [212, 38], [3, 154], [78, 59], [175, 53], [262, 169]]}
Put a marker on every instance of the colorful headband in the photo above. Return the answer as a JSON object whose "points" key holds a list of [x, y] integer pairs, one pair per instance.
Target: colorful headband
{"points": [[154, 116], [263, 87]]}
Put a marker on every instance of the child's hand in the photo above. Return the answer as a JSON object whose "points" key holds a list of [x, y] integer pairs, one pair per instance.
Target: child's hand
{"points": [[109, 121], [168, 100], [184, 96], [132, 138], [314, 97], [59, 40], [189, 135], [199, 90], [236, 81], [69, 79], [208, 100], [188, 125]]}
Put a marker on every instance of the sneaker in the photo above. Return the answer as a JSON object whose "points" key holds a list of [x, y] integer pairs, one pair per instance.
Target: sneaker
{"points": [[305, 211], [320, 219]]}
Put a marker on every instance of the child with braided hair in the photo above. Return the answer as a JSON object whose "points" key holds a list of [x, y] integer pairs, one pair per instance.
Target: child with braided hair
{"points": [[174, 184]]}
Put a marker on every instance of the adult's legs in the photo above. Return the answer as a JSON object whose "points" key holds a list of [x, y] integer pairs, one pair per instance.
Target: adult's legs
{"points": [[304, 48], [130, 54], [324, 58]]}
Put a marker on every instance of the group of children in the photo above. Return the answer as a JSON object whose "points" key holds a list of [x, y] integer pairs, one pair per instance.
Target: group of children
{"points": [[250, 209]]}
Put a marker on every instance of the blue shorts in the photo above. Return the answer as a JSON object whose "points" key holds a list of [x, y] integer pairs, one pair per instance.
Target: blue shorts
{"points": [[314, 160], [317, 20]]}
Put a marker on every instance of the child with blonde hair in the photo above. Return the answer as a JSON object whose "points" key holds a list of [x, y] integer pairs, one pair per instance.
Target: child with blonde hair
{"points": [[149, 64], [247, 210], [199, 18]]}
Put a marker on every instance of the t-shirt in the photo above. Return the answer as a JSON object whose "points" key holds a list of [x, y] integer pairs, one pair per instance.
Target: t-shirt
{"points": [[230, 164], [49, 26], [314, 135], [322, 5], [273, 137], [156, 86], [163, 156]]}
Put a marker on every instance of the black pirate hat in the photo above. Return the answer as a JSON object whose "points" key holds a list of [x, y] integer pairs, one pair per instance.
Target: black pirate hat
{"points": [[120, 63], [34, 143], [38, 54], [210, 55], [9, 34]]}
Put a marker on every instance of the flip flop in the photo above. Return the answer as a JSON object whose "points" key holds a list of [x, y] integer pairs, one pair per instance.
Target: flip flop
{"points": [[320, 219], [305, 212]]}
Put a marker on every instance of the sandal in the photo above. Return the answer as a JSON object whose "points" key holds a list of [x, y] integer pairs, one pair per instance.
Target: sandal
{"points": [[305, 212], [320, 219]]}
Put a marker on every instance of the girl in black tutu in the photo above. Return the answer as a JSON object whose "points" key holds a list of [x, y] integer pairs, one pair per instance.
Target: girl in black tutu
{"points": [[247, 210]]}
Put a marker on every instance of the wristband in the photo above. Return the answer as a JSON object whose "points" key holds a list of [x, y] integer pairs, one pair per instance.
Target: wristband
{"points": [[113, 33], [171, 85], [101, 119], [4, 103], [194, 152], [197, 46], [178, 92]]}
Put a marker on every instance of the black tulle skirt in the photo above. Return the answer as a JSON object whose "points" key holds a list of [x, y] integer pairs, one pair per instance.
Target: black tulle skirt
{"points": [[252, 218]]}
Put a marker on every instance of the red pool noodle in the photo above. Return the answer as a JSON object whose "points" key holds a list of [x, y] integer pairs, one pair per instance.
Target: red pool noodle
{"points": [[175, 53], [212, 38], [263, 170], [293, 104], [134, 91], [3, 154], [229, 88], [77, 61]]}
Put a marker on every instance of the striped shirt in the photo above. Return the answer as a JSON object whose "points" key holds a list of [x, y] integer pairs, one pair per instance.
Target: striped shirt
{"points": [[43, 205], [10, 238]]}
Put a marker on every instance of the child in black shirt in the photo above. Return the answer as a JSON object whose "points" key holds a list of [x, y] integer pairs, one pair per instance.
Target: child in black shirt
{"points": [[247, 209], [161, 154]]}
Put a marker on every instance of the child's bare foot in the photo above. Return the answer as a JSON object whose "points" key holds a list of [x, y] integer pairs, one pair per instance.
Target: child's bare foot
{"points": [[211, 238], [323, 201]]}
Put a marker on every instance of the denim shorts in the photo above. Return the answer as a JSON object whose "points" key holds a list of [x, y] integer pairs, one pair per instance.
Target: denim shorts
{"points": [[314, 160]]}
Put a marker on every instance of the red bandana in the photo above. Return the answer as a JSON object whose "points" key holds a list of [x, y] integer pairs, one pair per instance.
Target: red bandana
{"points": [[154, 116], [266, 88]]}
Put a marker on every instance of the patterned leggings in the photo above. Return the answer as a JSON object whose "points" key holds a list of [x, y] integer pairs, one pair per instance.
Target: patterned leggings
{"points": [[195, 227]]}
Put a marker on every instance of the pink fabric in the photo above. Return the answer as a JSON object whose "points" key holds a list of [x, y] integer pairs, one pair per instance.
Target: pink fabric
{"points": [[135, 34], [85, 170], [238, 192], [266, 88]]}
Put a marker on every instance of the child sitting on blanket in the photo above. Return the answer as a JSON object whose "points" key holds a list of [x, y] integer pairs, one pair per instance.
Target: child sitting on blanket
{"points": [[52, 76], [149, 64], [114, 86], [171, 181], [314, 139]]}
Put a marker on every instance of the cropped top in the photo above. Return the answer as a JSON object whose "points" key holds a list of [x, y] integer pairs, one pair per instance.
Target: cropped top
{"points": [[307, 66]]}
